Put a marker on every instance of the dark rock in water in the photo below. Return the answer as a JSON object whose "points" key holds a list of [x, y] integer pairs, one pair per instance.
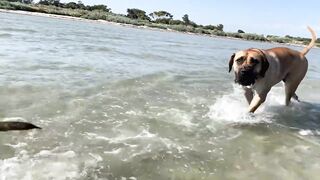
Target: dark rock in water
{"points": [[11, 126]]}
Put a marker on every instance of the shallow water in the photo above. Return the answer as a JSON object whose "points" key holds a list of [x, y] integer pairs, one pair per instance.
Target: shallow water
{"points": [[124, 103]]}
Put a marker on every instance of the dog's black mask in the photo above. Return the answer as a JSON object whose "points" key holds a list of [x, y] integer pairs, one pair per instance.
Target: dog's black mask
{"points": [[246, 76]]}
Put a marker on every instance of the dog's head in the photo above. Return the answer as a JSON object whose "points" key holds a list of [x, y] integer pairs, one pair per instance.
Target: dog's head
{"points": [[248, 65]]}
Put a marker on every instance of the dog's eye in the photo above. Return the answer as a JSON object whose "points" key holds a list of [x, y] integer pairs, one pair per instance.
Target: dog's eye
{"points": [[239, 60], [255, 61]]}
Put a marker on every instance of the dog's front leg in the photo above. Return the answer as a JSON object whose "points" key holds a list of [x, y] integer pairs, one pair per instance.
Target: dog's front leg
{"points": [[257, 100], [248, 93]]}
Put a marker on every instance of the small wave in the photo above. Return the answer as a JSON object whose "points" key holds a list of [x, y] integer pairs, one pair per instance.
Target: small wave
{"points": [[18, 145], [104, 49], [18, 30], [177, 116], [5, 35]]}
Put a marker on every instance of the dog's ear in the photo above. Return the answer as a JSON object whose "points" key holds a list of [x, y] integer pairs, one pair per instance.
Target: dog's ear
{"points": [[264, 65], [231, 61]]}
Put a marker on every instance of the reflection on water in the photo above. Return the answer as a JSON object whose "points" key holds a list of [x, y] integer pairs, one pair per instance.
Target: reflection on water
{"points": [[125, 103]]}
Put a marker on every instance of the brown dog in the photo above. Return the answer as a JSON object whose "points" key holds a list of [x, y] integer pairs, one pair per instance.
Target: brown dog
{"points": [[258, 70]]}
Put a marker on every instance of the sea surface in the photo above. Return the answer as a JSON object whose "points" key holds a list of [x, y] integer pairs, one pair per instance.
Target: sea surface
{"points": [[124, 103]]}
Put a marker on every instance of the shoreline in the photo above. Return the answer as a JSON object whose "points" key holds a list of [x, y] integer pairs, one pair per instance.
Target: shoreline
{"points": [[55, 16]]}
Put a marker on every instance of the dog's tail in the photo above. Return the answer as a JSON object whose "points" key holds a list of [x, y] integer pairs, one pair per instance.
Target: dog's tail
{"points": [[311, 44], [13, 125]]}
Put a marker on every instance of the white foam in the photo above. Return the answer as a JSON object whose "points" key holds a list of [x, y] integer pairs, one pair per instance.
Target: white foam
{"points": [[130, 178], [114, 151], [233, 108], [306, 132], [144, 134], [16, 146], [97, 157], [43, 165], [14, 119]]}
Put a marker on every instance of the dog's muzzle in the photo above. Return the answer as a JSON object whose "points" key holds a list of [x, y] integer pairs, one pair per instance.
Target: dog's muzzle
{"points": [[246, 77]]}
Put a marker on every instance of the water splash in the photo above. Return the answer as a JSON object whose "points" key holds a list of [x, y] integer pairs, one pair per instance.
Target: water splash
{"points": [[233, 108]]}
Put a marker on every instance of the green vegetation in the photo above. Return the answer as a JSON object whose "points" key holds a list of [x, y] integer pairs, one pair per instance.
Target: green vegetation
{"points": [[158, 19], [137, 14], [240, 31], [161, 15]]}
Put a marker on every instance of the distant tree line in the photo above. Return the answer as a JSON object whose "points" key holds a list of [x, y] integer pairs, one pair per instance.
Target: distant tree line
{"points": [[22, 1], [74, 5], [71, 5], [158, 19], [164, 17]]}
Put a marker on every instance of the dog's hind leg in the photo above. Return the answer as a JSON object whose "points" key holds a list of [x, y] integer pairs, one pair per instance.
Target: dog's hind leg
{"points": [[293, 79], [290, 90], [295, 97], [291, 85]]}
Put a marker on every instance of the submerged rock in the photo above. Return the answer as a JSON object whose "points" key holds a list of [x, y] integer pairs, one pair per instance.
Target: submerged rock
{"points": [[12, 125]]}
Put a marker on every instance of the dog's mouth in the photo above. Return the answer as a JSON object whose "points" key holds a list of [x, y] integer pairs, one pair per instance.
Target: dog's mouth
{"points": [[246, 77]]}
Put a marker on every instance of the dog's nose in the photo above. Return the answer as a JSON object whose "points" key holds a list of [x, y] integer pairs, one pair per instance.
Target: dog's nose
{"points": [[243, 71]]}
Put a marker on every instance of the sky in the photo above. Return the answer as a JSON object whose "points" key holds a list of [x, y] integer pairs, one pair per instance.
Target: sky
{"points": [[276, 17]]}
